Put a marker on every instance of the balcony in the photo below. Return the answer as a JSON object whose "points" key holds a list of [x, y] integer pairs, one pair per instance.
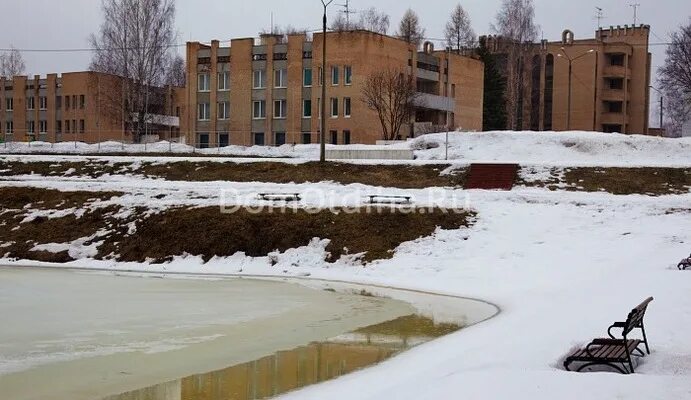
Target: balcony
{"points": [[609, 118], [616, 71], [434, 102], [613, 94], [427, 75]]}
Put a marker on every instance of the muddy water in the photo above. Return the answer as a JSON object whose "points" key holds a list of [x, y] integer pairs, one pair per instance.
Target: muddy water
{"points": [[285, 371]]}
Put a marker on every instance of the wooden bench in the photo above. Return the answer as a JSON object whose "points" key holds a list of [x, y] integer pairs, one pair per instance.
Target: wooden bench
{"points": [[280, 196], [383, 199], [685, 263], [614, 351]]}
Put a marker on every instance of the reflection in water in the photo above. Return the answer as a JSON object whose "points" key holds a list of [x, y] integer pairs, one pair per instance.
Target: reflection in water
{"points": [[300, 367]]}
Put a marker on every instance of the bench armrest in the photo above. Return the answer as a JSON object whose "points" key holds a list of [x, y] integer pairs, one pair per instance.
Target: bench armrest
{"points": [[620, 325]]}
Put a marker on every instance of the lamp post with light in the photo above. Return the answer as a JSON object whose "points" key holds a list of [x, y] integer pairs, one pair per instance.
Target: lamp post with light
{"points": [[322, 136], [571, 60]]}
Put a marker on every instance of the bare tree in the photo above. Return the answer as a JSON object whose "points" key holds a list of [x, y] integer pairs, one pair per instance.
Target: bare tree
{"points": [[176, 73], [391, 93], [410, 29], [371, 20], [459, 33], [135, 42], [12, 64], [675, 79], [516, 27]]}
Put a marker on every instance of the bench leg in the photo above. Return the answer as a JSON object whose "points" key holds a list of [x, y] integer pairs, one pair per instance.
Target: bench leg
{"points": [[645, 338]]}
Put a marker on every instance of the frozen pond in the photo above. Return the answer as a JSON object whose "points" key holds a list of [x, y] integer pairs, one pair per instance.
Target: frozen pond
{"points": [[76, 336]]}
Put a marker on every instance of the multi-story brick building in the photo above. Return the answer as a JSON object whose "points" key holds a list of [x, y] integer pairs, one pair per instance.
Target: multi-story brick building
{"points": [[610, 80], [79, 106], [268, 92]]}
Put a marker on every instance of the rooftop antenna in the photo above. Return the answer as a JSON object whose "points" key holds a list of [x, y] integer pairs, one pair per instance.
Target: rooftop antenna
{"points": [[272, 22], [347, 11], [599, 15], [635, 12]]}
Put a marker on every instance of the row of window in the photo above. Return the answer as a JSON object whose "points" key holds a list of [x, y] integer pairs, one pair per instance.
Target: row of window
{"points": [[280, 78], [43, 102], [259, 138], [280, 109], [43, 126]]}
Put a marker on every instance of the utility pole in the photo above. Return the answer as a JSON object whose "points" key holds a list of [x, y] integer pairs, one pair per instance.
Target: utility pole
{"points": [[635, 12], [662, 104], [346, 10], [322, 137]]}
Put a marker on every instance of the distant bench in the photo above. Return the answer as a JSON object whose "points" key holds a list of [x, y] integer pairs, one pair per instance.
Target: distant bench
{"points": [[383, 199], [615, 352], [685, 263], [280, 196]]}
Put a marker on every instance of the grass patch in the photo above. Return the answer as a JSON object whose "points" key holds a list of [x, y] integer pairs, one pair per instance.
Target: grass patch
{"points": [[411, 326], [398, 176], [620, 181], [17, 198], [207, 233]]}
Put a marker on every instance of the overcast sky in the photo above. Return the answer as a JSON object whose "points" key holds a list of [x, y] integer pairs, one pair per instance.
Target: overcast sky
{"points": [[60, 24]]}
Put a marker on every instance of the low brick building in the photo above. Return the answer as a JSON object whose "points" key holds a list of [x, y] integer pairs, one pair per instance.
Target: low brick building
{"points": [[268, 92]]}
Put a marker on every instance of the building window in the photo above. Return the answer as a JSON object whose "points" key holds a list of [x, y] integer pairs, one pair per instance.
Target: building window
{"points": [[203, 140], [549, 92], [616, 83], [307, 109], [9, 127], [306, 138], [67, 126], [204, 113], [30, 103], [348, 74], [74, 126], [346, 137], [203, 83], [616, 60], [280, 109], [335, 76], [58, 126], [334, 137], [223, 139], [280, 78], [82, 126], [43, 126], [9, 103], [74, 101], [82, 101], [258, 138], [334, 108], [67, 102], [43, 103], [536, 73], [259, 109], [321, 76], [30, 127], [307, 77], [223, 81], [616, 107], [58, 102], [259, 80], [223, 110], [346, 107], [279, 138]]}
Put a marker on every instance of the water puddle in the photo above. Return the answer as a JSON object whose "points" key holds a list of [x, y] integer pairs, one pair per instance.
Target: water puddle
{"points": [[317, 362]]}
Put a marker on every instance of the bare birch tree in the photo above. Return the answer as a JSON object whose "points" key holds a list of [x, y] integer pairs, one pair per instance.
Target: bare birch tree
{"points": [[391, 93], [675, 79], [410, 29], [12, 64], [135, 41], [517, 30], [176, 73], [459, 33]]}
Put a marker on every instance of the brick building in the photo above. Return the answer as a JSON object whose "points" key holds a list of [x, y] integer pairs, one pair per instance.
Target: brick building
{"points": [[268, 92], [610, 82], [82, 106]]}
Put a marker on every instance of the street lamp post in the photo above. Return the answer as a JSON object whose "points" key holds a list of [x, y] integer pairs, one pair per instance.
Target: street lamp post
{"points": [[662, 104], [322, 77], [571, 60]]}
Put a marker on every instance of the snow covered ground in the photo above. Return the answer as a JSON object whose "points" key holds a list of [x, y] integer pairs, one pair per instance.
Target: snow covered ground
{"points": [[559, 148], [562, 266]]}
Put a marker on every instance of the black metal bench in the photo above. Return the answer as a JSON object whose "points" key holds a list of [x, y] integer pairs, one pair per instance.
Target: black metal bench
{"points": [[614, 351], [685, 263], [383, 199], [280, 196]]}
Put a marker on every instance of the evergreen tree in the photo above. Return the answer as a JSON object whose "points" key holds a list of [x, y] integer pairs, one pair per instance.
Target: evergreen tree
{"points": [[494, 109]]}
